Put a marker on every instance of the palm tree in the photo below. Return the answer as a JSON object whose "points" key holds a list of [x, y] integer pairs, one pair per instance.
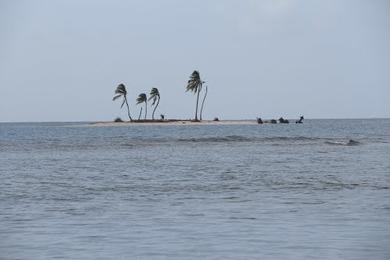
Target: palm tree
{"points": [[140, 112], [155, 96], [122, 92], [195, 85], [141, 99], [201, 108]]}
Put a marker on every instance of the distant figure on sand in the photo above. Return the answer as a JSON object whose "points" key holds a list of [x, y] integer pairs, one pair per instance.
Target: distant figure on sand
{"points": [[300, 121], [259, 121], [162, 117], [283, 121]]}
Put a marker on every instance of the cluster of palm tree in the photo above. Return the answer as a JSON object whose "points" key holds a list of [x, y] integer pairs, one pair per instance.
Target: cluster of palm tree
{"points": [[194, 84], [142, 98]]}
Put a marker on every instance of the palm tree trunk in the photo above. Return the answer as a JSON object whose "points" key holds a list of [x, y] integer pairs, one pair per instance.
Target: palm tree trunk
{"points": [[201, 108], [146, 109], [197, 102], [140, 112], [128, 109], [154, 110]]}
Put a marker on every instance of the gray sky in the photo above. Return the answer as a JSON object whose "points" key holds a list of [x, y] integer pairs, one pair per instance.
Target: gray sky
{"points": [[62, 60]]}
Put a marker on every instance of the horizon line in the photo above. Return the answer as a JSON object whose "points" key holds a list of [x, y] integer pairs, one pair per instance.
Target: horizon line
{"points": [[227, 119]]}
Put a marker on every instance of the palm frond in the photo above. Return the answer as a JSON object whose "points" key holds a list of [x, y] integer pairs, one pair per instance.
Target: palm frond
{"points": [[154, 94], [194, 83], [116, 97], [121, 89], [141, 98]]}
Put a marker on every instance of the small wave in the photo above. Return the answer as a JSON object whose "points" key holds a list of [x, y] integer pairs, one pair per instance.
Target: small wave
{"points": [[344, 143], [277, 140], [238, 138], [293, 138], [230, 138]]}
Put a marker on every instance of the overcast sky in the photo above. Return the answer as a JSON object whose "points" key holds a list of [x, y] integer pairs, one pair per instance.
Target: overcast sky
{"points": [[62, 60]]}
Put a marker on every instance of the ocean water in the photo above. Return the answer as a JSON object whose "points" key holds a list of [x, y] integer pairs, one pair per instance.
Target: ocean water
{"points": [[73, 191]]}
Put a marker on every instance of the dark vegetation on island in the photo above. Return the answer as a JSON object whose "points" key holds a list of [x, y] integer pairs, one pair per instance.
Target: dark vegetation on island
{"points": [[281, 121], [194, 85]]}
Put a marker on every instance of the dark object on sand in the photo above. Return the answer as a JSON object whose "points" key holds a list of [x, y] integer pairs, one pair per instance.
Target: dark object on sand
{"points": [[216, 119], [259, 121], [273, 121], [300, 121], [162, 117], [118, 120], [283, 121]]}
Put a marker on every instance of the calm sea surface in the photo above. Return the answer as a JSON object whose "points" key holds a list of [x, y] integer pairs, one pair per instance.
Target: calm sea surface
{"points": [[70, 191]]}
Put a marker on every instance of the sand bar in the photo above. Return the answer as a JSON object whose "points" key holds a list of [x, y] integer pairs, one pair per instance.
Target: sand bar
{"points": [[174, 123]]}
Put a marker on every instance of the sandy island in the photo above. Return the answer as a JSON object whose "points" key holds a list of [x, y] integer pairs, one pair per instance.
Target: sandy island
{"points": [[175, 123]]}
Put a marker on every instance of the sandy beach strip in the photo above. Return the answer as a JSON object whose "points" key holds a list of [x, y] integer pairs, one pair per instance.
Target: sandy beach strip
{"points": [[174, 123]]}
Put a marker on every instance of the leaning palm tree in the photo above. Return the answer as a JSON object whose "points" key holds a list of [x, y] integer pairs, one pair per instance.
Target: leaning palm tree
{"points": [[141, 99], [195, 85], [140, 113], [201, 108], [122, 92], [155, 96]]}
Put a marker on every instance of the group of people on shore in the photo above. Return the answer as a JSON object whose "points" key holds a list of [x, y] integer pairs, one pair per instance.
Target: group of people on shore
{"points": [[281, 121]]}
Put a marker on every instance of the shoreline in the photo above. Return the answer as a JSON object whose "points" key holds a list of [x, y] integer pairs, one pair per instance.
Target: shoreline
{"points": [[173, 122], [94, 122]]}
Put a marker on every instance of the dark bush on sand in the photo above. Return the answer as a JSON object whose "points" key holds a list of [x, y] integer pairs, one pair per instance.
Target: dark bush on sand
{"points": [[118, 120]]}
